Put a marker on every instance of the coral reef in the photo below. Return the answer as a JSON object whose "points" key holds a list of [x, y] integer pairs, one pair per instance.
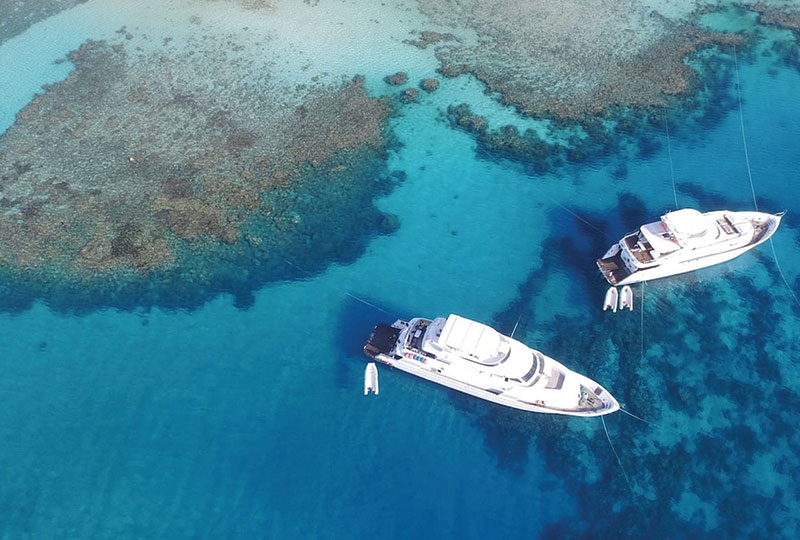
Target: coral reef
{"points": [[430, 85], [787, 50], [713, 385], [563, 60], [595, 136], [429, 37], [774, 16], [126, 169], [409, 95], [396, 79]]}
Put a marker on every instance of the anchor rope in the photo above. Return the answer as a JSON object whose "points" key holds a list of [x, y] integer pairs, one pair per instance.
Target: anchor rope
{"points": [[741, 121], [633, 415], [780, 271], [345, 291], [641, 325], [750, 175], [624, 474], [671, 167], [516, 324], [578, 217]]}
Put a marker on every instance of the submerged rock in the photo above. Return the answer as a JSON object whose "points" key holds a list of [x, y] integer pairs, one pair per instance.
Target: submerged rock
{"points": [[429, 85], [507, 142], [409, 95], [397, 79], [461, 116]]}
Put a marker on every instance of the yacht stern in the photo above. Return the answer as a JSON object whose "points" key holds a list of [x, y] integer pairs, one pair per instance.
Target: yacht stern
{"points": [[383, 341]]}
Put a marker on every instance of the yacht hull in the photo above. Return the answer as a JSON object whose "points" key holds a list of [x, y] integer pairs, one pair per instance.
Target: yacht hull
{"points": [[612, 405], [387, 346], [702, 260]]}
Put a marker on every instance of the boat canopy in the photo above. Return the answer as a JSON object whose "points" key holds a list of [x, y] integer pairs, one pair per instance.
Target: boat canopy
{"points": [[474, 340], [659, 237], [687, 225]]}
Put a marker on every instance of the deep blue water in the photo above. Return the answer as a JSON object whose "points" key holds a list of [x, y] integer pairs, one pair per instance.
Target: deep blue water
{"points": [[229, 423]]}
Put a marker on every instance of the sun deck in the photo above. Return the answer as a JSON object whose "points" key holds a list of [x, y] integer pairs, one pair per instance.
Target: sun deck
{"points": [[613, 268]]}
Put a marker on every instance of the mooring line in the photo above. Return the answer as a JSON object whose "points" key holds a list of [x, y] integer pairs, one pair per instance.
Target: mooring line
{"points": [[780, 271], [741, 121], [641, 325], [516, 324], [351, 295], [345, 291], [624, 474], [671, 168], [578, 217], [750, 176], [637, 417]]}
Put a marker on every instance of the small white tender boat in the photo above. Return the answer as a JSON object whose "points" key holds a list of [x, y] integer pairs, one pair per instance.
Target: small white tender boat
{"points": [[371, 379], [626, 298], [475, 359], [611, 299], [685, 240]]}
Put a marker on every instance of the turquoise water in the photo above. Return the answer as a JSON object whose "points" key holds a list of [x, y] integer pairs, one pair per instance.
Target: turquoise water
{"points": [[250, 423]]}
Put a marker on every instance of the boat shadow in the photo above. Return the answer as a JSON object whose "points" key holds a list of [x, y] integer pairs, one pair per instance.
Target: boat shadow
{"points": [[357, 317]]}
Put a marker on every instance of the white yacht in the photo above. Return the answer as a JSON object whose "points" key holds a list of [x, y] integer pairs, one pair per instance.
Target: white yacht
{"points": [[685, 240], [475, 359]]}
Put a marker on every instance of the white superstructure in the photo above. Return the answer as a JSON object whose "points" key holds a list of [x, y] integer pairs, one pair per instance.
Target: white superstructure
{"points": [[685, 240], [475, 359]]}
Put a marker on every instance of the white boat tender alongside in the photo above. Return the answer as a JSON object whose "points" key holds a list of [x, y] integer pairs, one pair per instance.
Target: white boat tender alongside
{"points": [[475, 359], [685, 240], [612, 295], [371, 379], [626, 298]]}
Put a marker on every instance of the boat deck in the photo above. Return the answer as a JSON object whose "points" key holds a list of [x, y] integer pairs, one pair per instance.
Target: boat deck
{"points": [[727, 225], [759, 230], [613, 269], [639, 248]]}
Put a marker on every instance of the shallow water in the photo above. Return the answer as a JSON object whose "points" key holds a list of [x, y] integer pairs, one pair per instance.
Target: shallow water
{"points": [[228, 423]]}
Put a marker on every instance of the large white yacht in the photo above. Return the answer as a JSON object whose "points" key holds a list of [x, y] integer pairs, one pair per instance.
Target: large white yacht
{"points": [[685, 240], [475, 359]]}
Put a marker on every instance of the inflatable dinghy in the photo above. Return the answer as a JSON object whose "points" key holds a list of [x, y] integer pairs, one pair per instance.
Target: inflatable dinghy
{"points": [[626, 298], [371, 379], [611, 300]]}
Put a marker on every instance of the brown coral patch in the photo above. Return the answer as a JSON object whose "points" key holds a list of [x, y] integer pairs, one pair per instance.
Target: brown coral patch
{"points": [[119, 167], [783, 18], [568, 59], [128, 245], [429, 37]]}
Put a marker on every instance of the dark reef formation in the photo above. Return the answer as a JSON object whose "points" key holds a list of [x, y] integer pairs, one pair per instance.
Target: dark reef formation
{"points": [[601, 135], [728, 407], [430, 85], [409, 95], [127, 185], [507, 142], [396, 79], [781, 17], [787, 51]]}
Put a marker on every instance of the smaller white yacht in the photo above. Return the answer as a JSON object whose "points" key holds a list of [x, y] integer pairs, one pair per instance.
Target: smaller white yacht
{"points": [[685, 240], [475, 359]]}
